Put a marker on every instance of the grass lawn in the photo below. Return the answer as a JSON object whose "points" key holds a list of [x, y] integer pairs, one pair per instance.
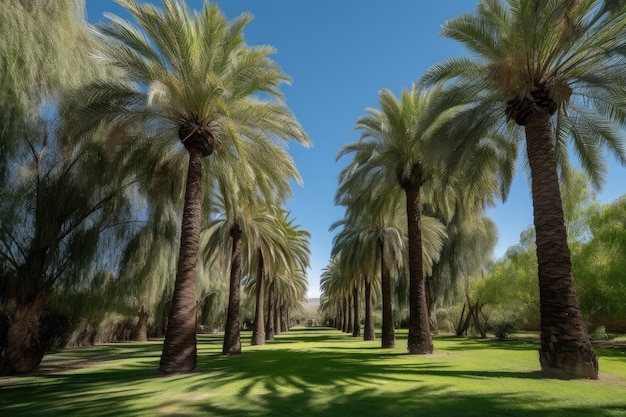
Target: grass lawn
{"points": [[315, 372]]}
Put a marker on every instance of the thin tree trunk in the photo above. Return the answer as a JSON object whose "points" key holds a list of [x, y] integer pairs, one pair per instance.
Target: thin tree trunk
{"points": [[339, 317], [462, 324], [419, 340], [269, 327], [283, 318], [179, 347], [432, 318], [346, 315], [24, 350], [232, 339], [349, 319], [277, 329], [565, 344], [388, 336], [258, 333], [356, 330], [368, 331], [140, 331]]}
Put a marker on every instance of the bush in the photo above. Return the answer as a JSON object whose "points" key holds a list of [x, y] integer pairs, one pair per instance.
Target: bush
{"points": [[599, 334], [503, 329]]}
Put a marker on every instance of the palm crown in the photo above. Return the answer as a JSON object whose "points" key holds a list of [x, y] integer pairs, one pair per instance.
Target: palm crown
{"points": [[552, 57], [194, 73]]}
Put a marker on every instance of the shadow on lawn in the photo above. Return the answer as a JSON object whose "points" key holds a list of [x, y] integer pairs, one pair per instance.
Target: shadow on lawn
{"points": [[272, 380]]}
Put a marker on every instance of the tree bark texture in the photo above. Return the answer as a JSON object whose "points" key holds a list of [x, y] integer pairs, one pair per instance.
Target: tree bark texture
{"points": [[277, 329], [269, 327], [232, 335], [356, 329], [565, 345], [346, 315], [258, 332], [140, 331], [419, 339], [24, 350], [388, 336], [368, 331], [349, 314], [179, 347]]}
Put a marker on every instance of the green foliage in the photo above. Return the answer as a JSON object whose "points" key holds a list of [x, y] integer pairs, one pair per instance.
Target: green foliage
{"points": [[598, 244], [509, 291], [61, 195], [600, 266]]}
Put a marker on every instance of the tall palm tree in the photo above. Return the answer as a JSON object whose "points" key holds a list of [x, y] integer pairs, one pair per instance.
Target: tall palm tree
{"points": [[392, 153], [190, 77], [556, 69]]}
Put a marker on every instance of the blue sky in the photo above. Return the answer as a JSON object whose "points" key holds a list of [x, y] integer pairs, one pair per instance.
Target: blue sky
{"points": [[339, 54]]}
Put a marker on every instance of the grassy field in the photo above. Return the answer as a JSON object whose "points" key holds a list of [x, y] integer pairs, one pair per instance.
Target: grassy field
{"points": [[315, 372]]}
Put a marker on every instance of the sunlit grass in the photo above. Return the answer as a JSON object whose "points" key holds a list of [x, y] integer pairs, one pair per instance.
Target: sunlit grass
{"points": [[315, 372]]}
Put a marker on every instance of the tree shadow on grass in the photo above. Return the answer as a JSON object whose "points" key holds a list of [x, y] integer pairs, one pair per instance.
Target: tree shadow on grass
{"points": [[78, 358], [423, 401], [277, 380], [465, 344]]}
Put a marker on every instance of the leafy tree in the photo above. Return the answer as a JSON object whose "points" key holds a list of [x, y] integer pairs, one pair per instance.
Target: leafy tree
{"points": [[555, 68], [190, 77], [56, 215], [466, 254], [600, 264], [509, 293]]}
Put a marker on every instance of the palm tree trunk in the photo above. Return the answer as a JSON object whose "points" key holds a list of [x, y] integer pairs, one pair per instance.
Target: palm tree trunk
{"points": [[179, 347], [269, 327], [339, 320], [277, 329], [281, 318], [286, 319], [232, 339], [368, 332], [388, 336], [565, 344], [348, 308], [258, 333], [419, 340], [24, 350], [356, 330]]}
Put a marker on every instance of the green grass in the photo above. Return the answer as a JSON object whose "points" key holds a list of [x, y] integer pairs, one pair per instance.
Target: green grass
{"points": [[315, 372]]}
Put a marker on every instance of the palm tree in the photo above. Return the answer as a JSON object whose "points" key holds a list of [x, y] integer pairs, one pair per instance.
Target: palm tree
{"points": [[357, 250], [290, 271], [274, 252], [190, 77], [555, 68], [391, 153]]}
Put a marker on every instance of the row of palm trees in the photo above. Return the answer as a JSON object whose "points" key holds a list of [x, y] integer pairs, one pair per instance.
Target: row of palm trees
{"points": [[547, 75], [192, 76], [175, 90]]}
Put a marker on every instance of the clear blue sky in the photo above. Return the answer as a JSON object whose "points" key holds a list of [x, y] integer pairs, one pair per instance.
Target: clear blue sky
{"points": [[339, 54]]}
